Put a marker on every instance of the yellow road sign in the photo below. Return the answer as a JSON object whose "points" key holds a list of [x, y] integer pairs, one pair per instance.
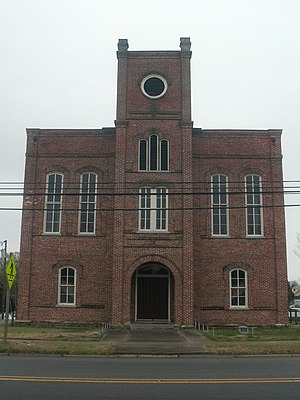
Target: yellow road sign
{"points": [[11, 271]]}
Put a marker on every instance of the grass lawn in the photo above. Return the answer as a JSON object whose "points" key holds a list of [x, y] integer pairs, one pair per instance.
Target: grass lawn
{"points": [[53, 340], [67, 340], [263, 341], [52, 333], [257, 334]]}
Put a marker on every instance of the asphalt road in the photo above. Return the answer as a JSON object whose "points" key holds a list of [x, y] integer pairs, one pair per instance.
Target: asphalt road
{"points": [[202, 377]]}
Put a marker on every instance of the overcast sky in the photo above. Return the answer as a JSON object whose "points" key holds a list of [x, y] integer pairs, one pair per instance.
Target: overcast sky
{"points": [[58, 70]]}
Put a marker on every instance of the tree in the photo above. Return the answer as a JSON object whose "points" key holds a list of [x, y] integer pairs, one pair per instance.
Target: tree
{"points": [[291, 293]]}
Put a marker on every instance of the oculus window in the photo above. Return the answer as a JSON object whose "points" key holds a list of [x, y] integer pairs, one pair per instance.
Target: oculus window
{"points": [[154, 86]]}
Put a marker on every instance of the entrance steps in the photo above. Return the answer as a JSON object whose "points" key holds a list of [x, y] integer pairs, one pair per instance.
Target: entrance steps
{"points": [[151, 325]]}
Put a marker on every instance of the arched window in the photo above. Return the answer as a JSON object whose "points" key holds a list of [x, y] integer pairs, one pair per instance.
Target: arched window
{"points": [[87, 207], [253, 205], [153, 154], [219, 206], [67, 286], [238, 288], [143, 155], [53, 203], [153, 209]]}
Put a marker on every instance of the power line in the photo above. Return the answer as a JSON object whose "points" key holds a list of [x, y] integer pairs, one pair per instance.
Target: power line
{"points": [[135, 182], [188, 192], [111, 209]]}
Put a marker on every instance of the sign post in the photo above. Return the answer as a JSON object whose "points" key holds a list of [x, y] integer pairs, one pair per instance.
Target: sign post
{"points": [[11, 272]]}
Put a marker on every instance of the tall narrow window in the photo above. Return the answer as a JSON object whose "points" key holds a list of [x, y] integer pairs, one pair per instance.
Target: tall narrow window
{"points": [[238, 288], [145, 208], [67, 286], [153, 154], [161, 209], [164, 155], [53, 203], [153, 209], [254, 205], [219, 196], [87, 203], [143, 155]]}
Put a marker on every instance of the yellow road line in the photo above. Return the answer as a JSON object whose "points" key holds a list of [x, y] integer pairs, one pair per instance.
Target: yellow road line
{"points": [[150, 381]]}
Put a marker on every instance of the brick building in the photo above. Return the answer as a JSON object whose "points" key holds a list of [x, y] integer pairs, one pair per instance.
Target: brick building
{"points": [[153, 219]]}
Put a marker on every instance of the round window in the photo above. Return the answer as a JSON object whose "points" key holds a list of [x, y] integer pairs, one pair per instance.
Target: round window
{"points": [[154, 86]]}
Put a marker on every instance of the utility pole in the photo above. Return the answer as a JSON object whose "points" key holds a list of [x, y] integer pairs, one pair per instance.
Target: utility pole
{"points": [[11, 272], [6, 313], [3, 243]]}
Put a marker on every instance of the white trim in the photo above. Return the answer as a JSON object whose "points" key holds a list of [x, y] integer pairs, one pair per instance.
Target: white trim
{"points": [[153, 210], [226, 205], [158, 77], [95, 204], [59, 287], [238, 307], [45, 232], [254, 235]]}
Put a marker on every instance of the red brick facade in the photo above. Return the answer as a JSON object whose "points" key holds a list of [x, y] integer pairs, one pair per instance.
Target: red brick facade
{"points": [[183, 272]]}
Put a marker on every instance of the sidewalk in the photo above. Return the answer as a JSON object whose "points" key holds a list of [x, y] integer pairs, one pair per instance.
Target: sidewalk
{"points": [[155, 341]]}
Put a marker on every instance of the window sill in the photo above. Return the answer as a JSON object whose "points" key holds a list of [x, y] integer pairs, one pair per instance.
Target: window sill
{"points": [[255, 236], [239, 308], [148, 232], [220, 236], [66, 305], [153, 171]]}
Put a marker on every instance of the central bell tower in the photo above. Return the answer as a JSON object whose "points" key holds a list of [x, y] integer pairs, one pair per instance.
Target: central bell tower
{"points": [[153, 220]]}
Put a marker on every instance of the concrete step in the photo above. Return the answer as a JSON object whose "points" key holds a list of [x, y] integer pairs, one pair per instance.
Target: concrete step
{"points": [[151, 325]]}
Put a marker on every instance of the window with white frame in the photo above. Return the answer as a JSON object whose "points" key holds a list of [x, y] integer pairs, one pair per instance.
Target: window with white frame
{"points": [[87, 208], [153, 209], [238, 288], [153, 154], [67, 286], [253, 205], [53, 203], [219, 206]]}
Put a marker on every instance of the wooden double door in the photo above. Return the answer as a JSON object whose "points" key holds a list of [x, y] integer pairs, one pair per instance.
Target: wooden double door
{"points": [[153, 293]]}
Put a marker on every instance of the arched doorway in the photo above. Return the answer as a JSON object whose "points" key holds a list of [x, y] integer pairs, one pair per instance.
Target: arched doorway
{"points": [[153, 293]]}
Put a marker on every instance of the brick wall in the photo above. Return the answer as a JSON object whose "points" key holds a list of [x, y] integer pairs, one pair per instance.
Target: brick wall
{"points": [[107, 261]]}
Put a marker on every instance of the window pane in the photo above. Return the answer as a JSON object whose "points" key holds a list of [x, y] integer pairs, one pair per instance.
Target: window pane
{"points": [[253, 205], [164, 155], [238, 288], [145, 205], [53, 203], [67, 286], [143, 155], [153, 209], [161, 212], [219, 200], [87, 203], [153, 153]]}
